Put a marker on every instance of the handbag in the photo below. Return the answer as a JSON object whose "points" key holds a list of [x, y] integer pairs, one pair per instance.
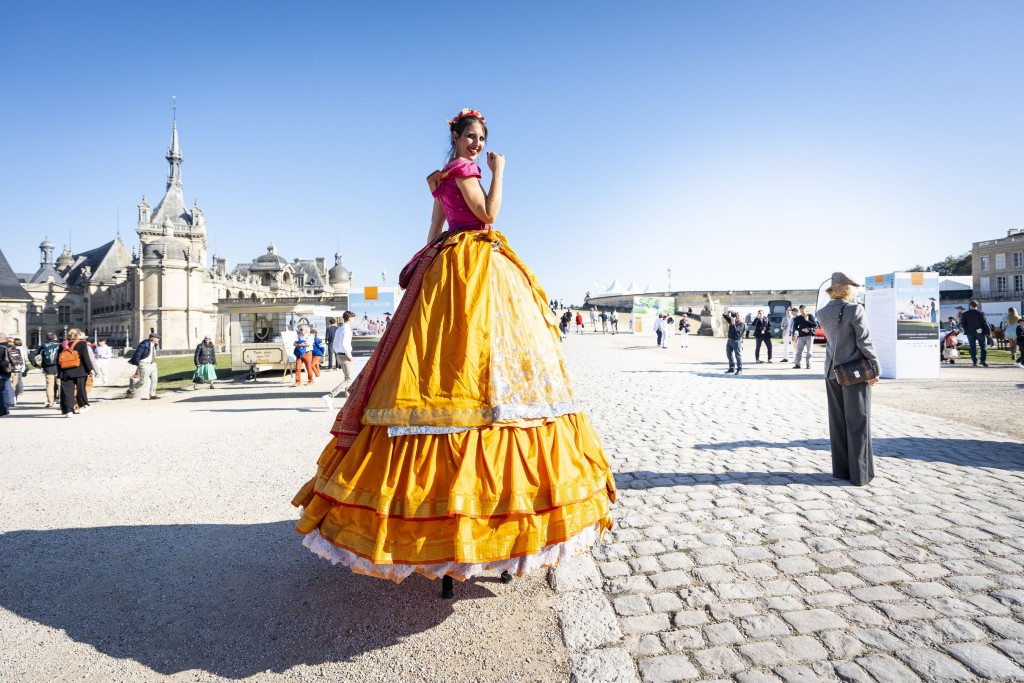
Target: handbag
{"points": [[855, 371]]}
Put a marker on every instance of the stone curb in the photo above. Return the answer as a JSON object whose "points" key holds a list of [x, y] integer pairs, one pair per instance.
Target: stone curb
{"points": [[590, 629]]}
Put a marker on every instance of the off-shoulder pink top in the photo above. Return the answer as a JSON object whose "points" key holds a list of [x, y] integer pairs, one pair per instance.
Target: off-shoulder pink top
{"points": [[456, 211]]}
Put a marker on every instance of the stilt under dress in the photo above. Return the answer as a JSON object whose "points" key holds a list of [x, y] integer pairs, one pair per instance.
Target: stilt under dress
{"points": [[461, 447]]}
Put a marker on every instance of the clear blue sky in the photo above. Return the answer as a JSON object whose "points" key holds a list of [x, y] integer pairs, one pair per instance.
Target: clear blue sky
{"points": [[741, 144]]}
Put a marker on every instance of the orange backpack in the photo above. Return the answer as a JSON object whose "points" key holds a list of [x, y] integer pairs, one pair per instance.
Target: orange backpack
{"points": [[68, 358]]}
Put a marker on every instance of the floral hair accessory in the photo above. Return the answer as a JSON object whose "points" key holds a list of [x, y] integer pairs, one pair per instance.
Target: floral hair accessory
{"points": [[464, 113]]}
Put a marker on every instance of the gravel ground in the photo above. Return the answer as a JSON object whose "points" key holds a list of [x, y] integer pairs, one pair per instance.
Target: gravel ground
{"points": [[153, 541]]}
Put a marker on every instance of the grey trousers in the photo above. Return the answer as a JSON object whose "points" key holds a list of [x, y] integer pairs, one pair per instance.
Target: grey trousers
{"points": [[801, 344], [849, 429]]}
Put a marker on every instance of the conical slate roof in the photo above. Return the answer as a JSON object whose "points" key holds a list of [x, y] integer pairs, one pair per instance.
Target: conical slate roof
{"points": [[10, 288]]}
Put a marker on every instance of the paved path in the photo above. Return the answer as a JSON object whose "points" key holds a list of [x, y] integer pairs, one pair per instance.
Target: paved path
{"points": [[152, 541], [737, 555]]}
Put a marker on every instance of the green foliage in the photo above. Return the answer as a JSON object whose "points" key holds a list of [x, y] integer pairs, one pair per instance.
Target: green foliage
{"points": [[954, 265], [951, 265]]}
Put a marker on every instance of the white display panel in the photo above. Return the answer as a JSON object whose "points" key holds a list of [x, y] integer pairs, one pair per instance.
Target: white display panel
{"points": [[879, 306], [903, 316]]}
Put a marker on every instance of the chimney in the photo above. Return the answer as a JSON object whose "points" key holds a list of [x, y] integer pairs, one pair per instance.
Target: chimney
{"points": [[1014, 231], [321, 265]]}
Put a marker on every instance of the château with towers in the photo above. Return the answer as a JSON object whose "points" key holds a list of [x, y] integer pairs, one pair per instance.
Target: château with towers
{"points": [[164, 284]]}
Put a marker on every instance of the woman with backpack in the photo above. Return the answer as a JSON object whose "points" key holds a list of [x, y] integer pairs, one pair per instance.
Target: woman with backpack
{"points": [[75, 365]]}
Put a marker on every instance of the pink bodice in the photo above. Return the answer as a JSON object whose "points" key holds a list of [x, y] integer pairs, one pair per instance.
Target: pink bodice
{"points": [[456, 211]]}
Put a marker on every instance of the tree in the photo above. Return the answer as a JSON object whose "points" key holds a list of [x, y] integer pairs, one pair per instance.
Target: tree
{"points": [[954, 265]]}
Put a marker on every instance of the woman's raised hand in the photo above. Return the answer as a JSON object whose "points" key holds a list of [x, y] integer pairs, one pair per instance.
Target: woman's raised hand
{"points": [[495, 161]]}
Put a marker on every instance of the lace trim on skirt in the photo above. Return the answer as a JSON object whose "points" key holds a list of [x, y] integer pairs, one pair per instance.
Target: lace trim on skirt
{"points": [[548, 557]]}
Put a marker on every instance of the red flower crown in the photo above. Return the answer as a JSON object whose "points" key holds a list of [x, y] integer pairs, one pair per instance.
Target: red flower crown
{"points": [[474, 113]]}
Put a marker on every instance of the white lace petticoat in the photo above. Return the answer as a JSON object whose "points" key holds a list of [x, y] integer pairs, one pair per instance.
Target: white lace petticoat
{"points": [[547, 557]]}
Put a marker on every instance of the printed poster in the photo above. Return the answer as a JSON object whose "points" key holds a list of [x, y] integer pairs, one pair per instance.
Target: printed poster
{"points": [[917, 306]]}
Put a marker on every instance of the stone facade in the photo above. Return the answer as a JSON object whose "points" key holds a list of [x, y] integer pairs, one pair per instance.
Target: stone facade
{"points": [[998, 267], [164, 285]]}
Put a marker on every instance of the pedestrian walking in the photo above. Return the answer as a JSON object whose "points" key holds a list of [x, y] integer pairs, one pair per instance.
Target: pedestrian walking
{"points": [[1010, 324], [332, 328], [146, 374], [302, 347], [615, 321], [749, 322], [978, 331], [75, 365], [103, 353], [342, 350], [735, 331], [848, 339], [443, 455], [803, 327], [20, 360], [762, 335], [579, 323], [659, 330], [205, 359], [6, 372], [319, 350], [45, 358], [788, 333]]}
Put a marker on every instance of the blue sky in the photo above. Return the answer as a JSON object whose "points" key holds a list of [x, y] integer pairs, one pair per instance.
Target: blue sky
{"points": [[741, 144]]}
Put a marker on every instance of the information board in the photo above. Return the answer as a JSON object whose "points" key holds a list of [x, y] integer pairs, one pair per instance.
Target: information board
{"points": [[903, 317]]}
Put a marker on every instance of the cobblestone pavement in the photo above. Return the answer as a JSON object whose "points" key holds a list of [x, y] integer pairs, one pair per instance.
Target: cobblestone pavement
{"points": [[737, 556]]}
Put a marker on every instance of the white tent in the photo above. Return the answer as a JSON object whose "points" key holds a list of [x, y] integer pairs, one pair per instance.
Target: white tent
{"points": [[615, 287]]}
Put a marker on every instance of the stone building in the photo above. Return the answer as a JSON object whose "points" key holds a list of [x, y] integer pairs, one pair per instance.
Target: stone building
{"points": [[998, 267], [164, 284], [14, 302]]}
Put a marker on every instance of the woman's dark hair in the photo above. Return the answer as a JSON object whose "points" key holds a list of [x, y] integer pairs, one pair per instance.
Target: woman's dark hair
{"points": [[457, 129]]}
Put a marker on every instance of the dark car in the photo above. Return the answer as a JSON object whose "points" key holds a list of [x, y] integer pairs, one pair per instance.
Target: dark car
{"points": [[777, 313]]}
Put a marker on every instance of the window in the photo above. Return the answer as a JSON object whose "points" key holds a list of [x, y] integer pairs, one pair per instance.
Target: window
{"points": [[63, 315], [1001, 283], [984, 263], [1000, 261], [984, 285], [1018, 283], [1018, 259]]}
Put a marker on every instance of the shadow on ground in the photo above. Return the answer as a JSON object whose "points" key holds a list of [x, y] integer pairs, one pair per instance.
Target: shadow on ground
{"points": [[643, 479], [1006, 455], [232, 600], [269, 392]]}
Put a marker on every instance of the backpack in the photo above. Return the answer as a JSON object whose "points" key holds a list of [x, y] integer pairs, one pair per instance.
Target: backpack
{"points": [[68, 357], [6, 366], [50, 354], [16, 358]]}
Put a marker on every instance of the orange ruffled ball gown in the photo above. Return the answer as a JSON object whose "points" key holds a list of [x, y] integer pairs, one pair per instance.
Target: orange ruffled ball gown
{"points": [[461, 447]]}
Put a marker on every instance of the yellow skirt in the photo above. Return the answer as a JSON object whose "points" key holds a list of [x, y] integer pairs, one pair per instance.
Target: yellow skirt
{"points": [[473, 453]]}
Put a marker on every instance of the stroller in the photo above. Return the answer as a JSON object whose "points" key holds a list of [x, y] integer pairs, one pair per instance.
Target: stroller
{"points": [[949, 347]]}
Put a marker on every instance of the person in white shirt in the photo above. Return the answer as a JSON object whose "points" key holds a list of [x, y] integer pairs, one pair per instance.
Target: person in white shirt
{"points": [[787, 333], [103, 355], [342, 349]]}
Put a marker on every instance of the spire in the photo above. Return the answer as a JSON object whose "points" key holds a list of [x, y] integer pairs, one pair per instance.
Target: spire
{"points": [[174, 154]]}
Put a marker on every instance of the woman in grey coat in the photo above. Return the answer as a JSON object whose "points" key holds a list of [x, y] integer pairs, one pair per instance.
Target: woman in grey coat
{"points": [[849, 408]]}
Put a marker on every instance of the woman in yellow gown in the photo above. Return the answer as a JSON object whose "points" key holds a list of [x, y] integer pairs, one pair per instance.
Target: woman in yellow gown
{"points": [[461, 447]]}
